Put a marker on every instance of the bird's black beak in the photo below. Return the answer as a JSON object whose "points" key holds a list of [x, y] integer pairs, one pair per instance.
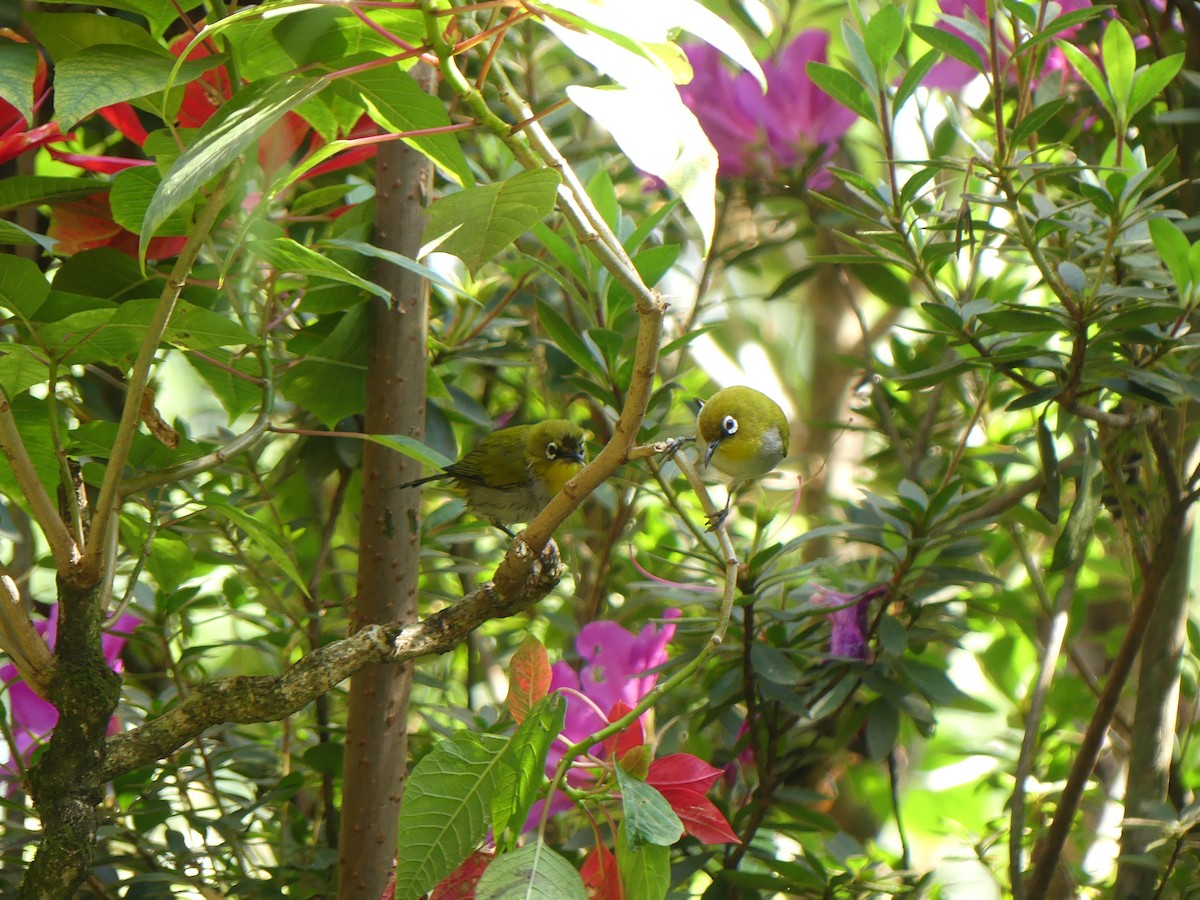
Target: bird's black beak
{"points": [[712, 448], [576, 455]]}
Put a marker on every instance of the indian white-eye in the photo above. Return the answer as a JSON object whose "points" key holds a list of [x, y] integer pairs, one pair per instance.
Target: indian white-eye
{"points": [[745, 435], [511, 474]]}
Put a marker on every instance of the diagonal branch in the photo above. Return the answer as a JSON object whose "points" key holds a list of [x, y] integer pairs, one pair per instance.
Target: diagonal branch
{"points": [[88, 571], [62, 546], [246, 699]]}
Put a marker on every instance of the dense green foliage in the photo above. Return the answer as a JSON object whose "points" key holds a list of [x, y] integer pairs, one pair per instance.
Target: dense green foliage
{"points": [[956, 246]]}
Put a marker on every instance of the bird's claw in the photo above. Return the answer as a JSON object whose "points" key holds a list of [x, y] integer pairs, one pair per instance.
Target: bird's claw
{"points": [[671, 446]]}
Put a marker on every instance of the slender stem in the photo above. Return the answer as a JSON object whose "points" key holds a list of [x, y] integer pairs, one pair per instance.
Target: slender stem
{"points": [[110, 495], [62, 546]]}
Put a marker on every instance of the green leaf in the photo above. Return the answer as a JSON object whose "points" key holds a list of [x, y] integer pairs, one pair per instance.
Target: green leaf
{"points": [[950, 44], [645, 869], [261, 536], [21, 369], [842, 87], [1149, 81], [18, 69], [102, 75], [523, 767], [1037, 118], [1173, 247], [1120, 60], [237, 395], [915, 76], [648, 816], [23, 190], [231, 130], [884, 34], [157, 14], [412, 448], [534, 872], [1081, 521], [65, 34], [130, 196], [477, 223], [883, 727], [446, 808], [566, 338], [394, 99], [23, 287], [863, 63], [196, 328], [404, 262], [331, 379], [287, 256], [1091, 74]]}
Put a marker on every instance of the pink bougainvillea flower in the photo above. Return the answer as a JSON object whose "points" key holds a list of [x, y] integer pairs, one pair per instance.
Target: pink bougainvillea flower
{"points": [[848, 622], [31, 719], [953, 75], [773, 136]]}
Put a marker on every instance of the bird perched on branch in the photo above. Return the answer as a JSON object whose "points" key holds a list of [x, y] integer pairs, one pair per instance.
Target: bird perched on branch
{"points": [[745, 435], [511, 474]]}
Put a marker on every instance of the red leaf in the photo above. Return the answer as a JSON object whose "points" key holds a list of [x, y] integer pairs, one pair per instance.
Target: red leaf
{"points": [[122, 117], [623, 741], [281, 141], [682, 770], [528, 677], [460, 884], [600, 875], [201, 97], [107, 165], [13, 145], [700, 818]]}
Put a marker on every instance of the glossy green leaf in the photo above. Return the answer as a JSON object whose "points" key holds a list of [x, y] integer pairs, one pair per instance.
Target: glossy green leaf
{"points": [[477, 223], [1150, 80], [1081, 521], [231, 130], [645, 869], [950, 44], [1120, 60], [1173, 247], [412, 448], [23, 286], [884, 34], [287, 256], [259, 535], [446, 808], [842, 87], [566, 338], [394, 100], [63, 34], [522, 769], [103, 74], [18, 68], [1091, 74], [24, 190], [330, 381], [648, 817], [534, 872]]}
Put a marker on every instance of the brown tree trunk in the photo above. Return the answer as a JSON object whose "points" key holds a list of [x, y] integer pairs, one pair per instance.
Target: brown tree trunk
{"points": [[389, 541]]}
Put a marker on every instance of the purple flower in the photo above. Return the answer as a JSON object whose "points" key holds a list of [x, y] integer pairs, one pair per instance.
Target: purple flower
{"points": [[615, 670], [31, 719], [761, 135], [953, 75], [848, 622]]}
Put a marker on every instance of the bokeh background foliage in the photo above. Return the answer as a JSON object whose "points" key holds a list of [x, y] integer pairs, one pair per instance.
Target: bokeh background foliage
{"points": [[955, 243]]}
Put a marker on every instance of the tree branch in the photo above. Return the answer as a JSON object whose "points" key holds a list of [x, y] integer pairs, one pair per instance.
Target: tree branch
{"points": [[139, 376], [245, 699], [62, 546]]}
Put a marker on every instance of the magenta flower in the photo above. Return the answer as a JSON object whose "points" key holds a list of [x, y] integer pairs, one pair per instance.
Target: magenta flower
{"points": [[848, 622], [31, 719], [613, 676], [790, 128], [953, 75]]}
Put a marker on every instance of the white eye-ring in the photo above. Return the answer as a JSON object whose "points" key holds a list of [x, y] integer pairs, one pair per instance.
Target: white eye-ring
{"points": [[552, 450], [729, 425]]}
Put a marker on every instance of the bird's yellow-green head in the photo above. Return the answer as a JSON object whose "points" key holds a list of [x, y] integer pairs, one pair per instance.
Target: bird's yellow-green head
{"points": [[556, 452], [744, 431]]}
